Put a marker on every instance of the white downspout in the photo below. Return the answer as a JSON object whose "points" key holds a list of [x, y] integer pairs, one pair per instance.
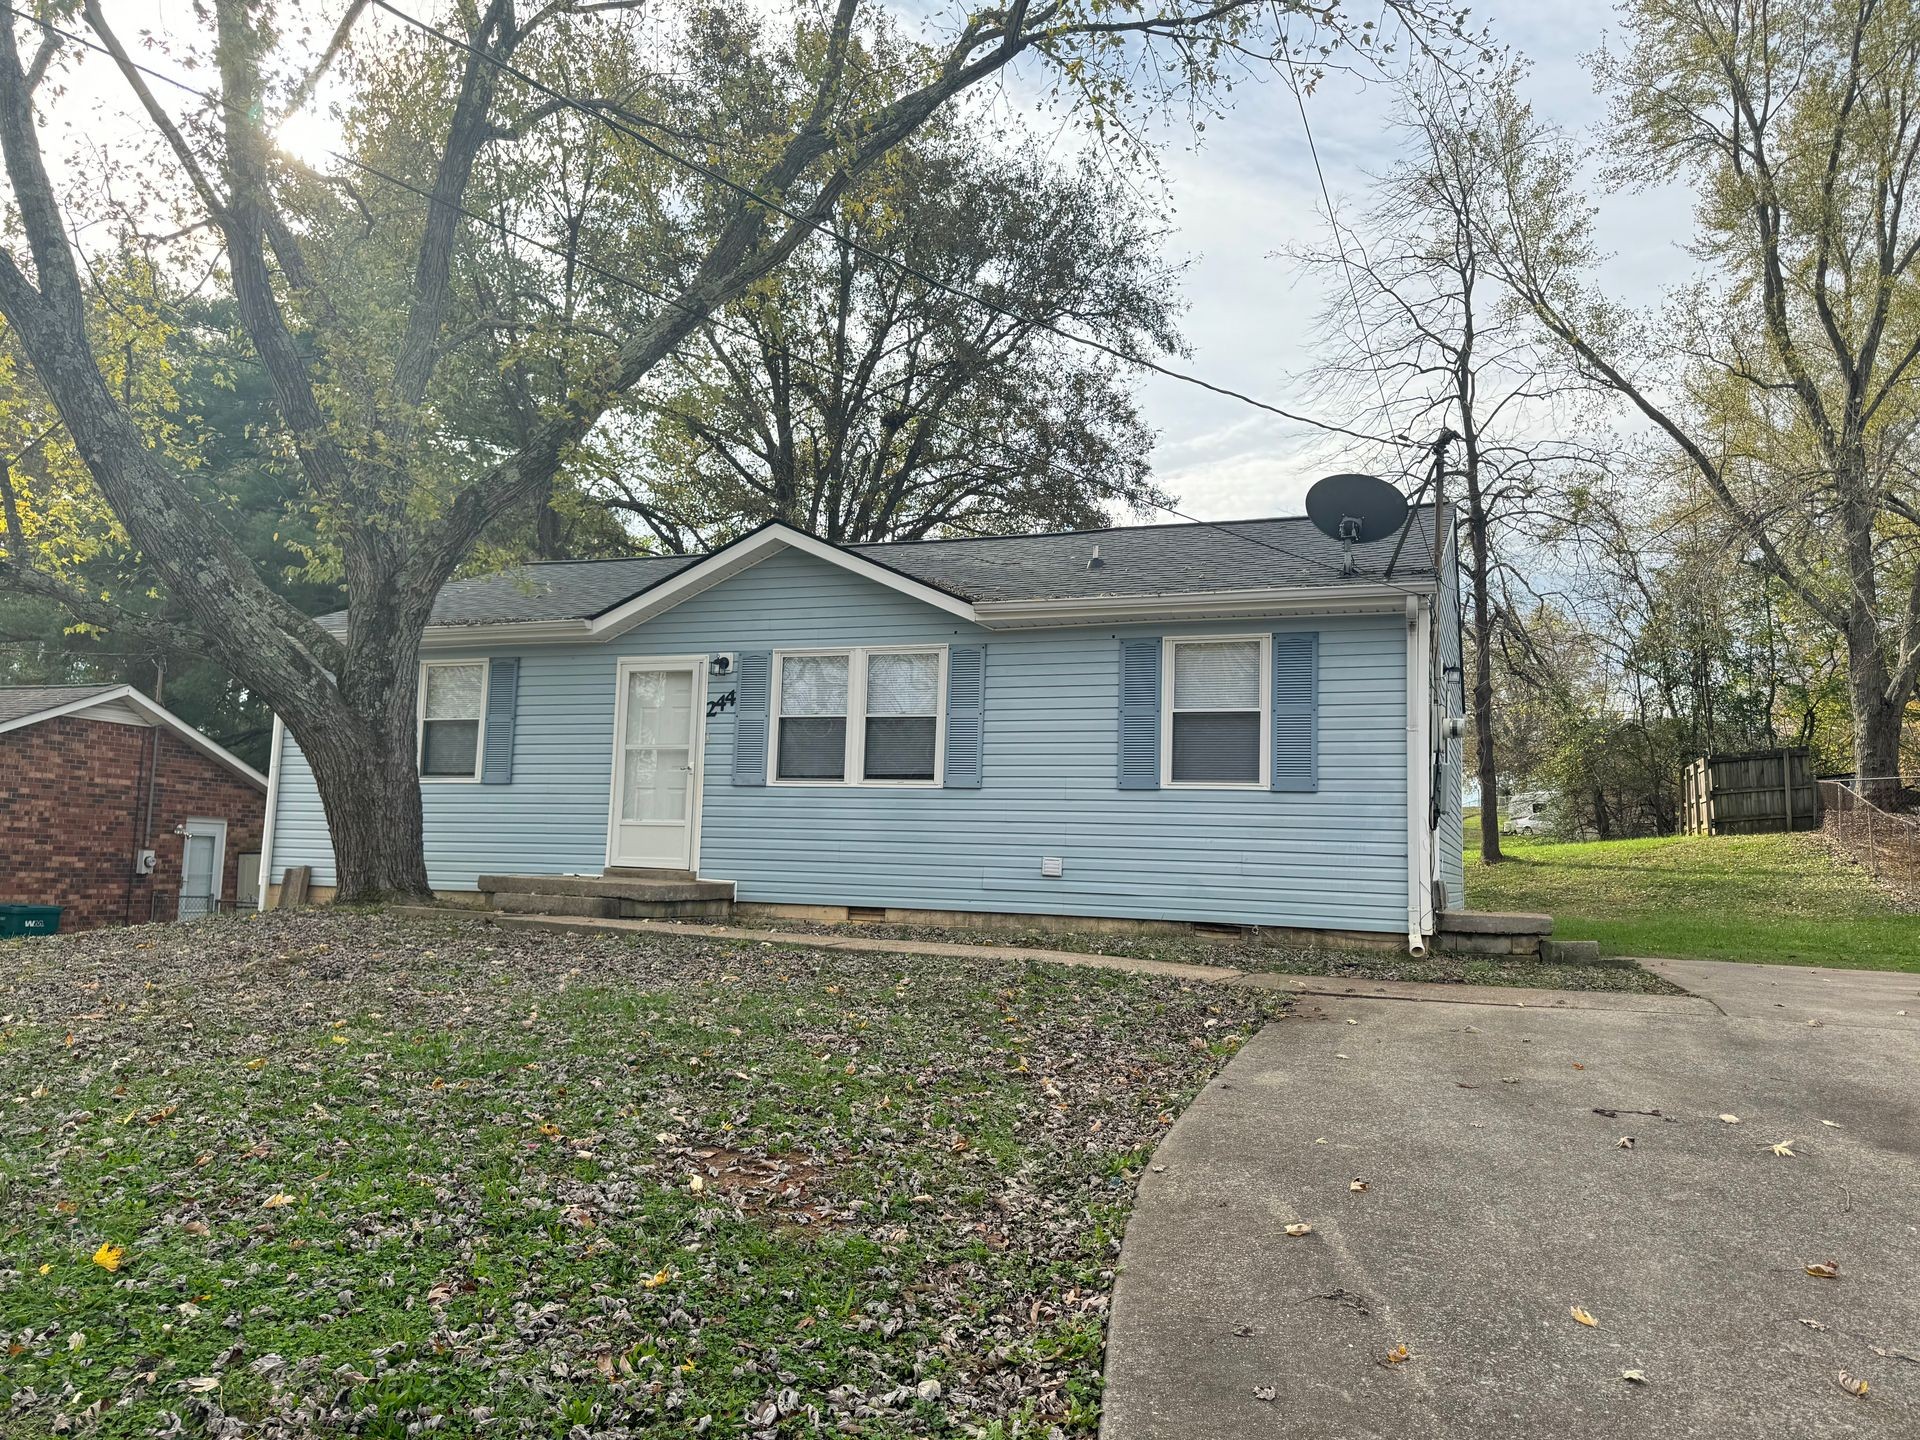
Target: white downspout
{"points": [[273, 804], [1419, 721]]}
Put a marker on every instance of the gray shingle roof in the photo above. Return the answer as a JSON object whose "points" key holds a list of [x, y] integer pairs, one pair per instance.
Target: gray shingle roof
{"points": [[1135, 560], [1147, 560], [19, 701]]}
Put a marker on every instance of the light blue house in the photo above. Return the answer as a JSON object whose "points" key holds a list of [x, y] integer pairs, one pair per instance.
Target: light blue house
{"points": [[1224, 724]]}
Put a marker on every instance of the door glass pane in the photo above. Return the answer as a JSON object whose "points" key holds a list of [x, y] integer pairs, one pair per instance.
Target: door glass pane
{"points": [[902, 684], [1222, 675], [655, 783], [813, 685], [656, 754], [196, 870], [659, 707]]}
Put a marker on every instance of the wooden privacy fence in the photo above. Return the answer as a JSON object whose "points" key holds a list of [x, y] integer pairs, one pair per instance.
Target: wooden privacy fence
{"points": [[1755, 793], [1883, 843]]}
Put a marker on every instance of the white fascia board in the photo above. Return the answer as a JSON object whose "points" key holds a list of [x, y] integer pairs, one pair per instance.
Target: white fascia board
{"points": [[157, 714], [730, 561], [1200, 605]]}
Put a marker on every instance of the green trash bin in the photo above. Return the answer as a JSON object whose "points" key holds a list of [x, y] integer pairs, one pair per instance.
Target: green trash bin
{"points": [[18, 920]]}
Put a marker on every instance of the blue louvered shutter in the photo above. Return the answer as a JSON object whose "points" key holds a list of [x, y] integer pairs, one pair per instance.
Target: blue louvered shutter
{"points": [[752, 692], [966, 707], [1296, 707], [1139, 761], [503, 699]]}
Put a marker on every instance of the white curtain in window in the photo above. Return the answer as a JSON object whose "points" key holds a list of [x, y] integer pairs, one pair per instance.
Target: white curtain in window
{"points": [[903, 684], [813, 685], [453, 692], [1217, 675]]}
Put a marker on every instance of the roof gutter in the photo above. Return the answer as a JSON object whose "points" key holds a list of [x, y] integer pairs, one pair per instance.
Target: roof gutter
{"points": [[1350, 599], [512, 632]]}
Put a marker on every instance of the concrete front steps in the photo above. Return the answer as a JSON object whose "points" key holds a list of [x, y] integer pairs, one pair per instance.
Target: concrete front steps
{"points": [[612, 895], [1492, 932]]}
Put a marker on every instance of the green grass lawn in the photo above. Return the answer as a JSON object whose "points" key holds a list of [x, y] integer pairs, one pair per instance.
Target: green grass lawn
{"points": [[1777, 898], [336, 1173]]}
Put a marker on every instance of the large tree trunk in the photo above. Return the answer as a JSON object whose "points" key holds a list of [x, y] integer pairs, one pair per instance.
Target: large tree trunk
{"points": [[361, 740], [371, 793], [1876, 722]]}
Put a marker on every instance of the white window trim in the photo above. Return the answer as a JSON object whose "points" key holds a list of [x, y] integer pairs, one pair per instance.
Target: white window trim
{"points": [[420, 723], [856, 762], [1263, 646]]}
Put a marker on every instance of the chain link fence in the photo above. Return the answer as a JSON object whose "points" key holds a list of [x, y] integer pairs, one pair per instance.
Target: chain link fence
{"points": [[1884, 843]]}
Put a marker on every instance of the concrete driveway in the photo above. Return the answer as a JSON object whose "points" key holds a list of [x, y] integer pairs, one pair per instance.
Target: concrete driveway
{"points": [[1498, 1199]]}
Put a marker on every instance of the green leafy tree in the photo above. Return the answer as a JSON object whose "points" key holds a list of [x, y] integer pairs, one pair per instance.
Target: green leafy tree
{"points": [[863, 402], [220, 444]]}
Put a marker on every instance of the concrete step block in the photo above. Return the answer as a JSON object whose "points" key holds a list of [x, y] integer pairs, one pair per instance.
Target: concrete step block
{"points": [[1570, 952], [1493, 922]]}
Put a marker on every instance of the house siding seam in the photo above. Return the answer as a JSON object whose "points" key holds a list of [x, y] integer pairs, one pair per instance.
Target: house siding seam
{"points": [[1331, 859], [73, 793]]}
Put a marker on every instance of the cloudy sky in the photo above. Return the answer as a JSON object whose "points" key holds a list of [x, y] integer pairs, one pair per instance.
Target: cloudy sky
{"points": [[1250, 190]]}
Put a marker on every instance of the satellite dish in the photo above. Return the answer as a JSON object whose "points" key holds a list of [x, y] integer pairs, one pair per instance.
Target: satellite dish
{"points": [[1355, 510]]}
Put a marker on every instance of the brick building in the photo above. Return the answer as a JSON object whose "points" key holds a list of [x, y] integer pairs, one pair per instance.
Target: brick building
{"points": [[119, 811]]}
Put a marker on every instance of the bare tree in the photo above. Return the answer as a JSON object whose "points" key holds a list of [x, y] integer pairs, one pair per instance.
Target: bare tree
{"points": [[363, 312], [1419, 333]]}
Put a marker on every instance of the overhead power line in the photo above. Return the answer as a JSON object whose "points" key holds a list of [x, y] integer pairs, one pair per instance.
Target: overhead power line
{"points": [[652, 293]]}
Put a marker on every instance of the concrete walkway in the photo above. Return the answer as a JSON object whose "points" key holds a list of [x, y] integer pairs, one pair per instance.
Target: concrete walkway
{"points": [[1497, 1198], [1305, 985]]}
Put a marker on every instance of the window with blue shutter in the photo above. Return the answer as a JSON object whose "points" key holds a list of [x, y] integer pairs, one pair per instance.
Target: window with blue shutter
{"points": [[1296, 706], [966, 706], [752, 689], [503, 696], [1139, 758]]}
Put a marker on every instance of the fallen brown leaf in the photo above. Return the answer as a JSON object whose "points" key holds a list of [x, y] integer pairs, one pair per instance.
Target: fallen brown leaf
{"points": [[1582, 1316]]}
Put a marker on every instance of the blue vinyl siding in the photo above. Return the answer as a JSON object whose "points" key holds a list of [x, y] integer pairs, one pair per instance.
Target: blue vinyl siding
{"points": [[1335, 858], [1451, 837]]}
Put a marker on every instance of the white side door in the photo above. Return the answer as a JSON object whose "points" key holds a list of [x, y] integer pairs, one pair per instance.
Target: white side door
{"points": [[656, 763], [203, 863]]}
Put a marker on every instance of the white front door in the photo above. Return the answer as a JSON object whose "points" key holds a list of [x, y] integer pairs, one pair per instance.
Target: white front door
{"points": [[656, 759], [203, 861]]}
